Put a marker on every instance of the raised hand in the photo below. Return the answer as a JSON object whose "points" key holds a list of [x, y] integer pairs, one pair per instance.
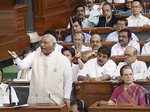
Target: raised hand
{"points": [[13, 54]]}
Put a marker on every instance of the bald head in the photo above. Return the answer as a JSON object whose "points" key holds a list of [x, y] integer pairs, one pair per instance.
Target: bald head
{"points": [[131, 50], [95, 41], [131, 55]]}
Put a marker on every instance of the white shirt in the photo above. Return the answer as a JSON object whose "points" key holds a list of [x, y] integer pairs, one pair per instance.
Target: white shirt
{"points": [[146, 49], [75, 69], [84, 48], [138, 21], [119, 50], [93, 70], [93, 18], [4, 95], [149, 71], [114, 37], [139, 69], [58, 48], [116, 1], [54, 57]]}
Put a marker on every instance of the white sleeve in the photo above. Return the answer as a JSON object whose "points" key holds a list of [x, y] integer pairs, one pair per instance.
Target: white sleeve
{"points": [[136, 45], [110, 69], [141, 71], [113, 51], [84, 71], [144, 50], [134, 37], [14, 96], [26, 62], [117, 72], [67, 79]]}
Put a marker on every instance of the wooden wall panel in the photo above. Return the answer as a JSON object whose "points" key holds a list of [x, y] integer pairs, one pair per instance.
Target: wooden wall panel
{"points": [[52, 13], [13, 31]]}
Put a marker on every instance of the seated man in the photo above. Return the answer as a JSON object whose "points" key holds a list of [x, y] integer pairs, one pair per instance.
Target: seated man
{"points": [[86, 22], [139, 67], [92, 11], [146, 49], [137, 19], [77, 29], [95, 43], [108, 19], [128, 93], [124, 41], [7, 93], [78, 43], [99, 68], [121, 24]]}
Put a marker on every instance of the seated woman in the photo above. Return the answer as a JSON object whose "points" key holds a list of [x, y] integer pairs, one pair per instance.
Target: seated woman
{"points": [[128, 93], [7, 94]]}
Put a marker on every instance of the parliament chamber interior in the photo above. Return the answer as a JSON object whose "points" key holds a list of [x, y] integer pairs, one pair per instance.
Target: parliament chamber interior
{"points": [[74, 55]]}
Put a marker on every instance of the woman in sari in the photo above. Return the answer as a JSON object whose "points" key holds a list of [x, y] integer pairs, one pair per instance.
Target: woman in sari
{"points": [[128, 93]]}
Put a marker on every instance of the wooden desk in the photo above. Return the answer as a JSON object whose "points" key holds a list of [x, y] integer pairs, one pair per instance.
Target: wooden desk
{"points": [[34, 108], [104, 31], [105, 108], [118, 59], [90, 92]]}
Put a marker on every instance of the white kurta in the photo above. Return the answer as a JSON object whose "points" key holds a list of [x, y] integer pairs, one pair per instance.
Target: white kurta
{"points": [[139, 69], [119, 50], [51, 79], [146, 49], [138, 21], [114, 37], [93, 70], [4, 95]]}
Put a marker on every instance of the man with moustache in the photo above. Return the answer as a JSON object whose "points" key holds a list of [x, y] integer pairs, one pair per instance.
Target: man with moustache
{"points": [[125, 40], [100, 68], [51, 79]]}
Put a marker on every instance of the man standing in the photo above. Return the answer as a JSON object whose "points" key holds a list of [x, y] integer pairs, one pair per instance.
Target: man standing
{"points": [[51, 80]]}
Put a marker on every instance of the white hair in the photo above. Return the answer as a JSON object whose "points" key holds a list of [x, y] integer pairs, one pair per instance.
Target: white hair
{"points": [[51, 38]]}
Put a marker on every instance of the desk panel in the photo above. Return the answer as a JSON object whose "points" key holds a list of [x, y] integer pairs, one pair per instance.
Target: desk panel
{"points": [[35, 108], [106, 108]]}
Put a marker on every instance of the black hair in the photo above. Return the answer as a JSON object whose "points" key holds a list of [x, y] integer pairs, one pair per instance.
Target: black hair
{"points": [[104, 50], [140, 1], [71, 50], [80, 5], [123, 19], [128, 32], [125, 67], [107, 3]]}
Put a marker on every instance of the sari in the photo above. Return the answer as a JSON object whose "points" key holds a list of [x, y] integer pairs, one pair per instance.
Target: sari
{"points": [[134, 95]]}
